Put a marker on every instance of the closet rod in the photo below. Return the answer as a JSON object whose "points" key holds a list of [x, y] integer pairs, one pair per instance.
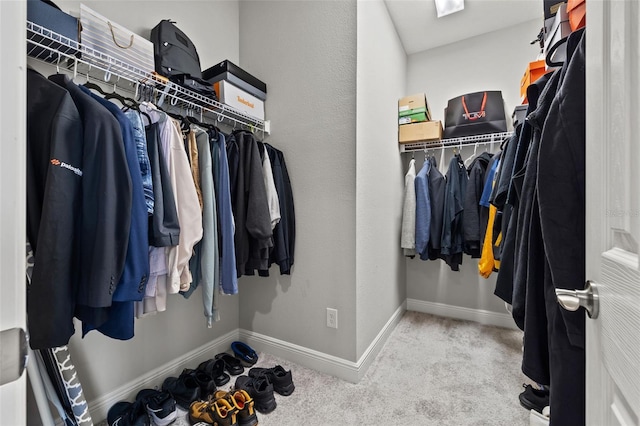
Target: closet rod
{"points": [[455, 142], [60, 51]]}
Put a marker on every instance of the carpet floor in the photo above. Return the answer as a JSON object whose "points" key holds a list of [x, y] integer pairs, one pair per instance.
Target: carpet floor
{"points": [[431, 371]]}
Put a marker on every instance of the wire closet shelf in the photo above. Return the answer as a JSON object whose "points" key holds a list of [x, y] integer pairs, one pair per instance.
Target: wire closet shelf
{"points": [[455, 142], [85, 62]]}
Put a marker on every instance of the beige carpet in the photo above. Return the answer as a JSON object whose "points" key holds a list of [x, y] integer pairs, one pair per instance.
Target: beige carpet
{"points": [[432, 371]]}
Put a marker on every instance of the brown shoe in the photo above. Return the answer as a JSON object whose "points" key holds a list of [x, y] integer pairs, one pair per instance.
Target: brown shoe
{"points": [[217, 412], [241, 401]]}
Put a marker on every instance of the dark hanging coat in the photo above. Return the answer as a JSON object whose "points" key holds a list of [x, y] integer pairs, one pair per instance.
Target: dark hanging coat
{"points": [[285, 230], [475, 216], [54, 133], [561, 195], [253, 235], [437, 186], [452, 228], [504, 283]]}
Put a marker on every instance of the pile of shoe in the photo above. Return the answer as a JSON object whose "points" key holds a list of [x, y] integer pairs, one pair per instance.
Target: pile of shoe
{"points": [[250, 393], [196, 391]]}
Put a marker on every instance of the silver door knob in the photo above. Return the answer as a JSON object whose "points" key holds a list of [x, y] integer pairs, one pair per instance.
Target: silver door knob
{"points": [[571, 300], [14, 353]]}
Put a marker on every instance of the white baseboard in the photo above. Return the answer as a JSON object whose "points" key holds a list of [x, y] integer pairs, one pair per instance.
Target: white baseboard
{"points": [[478, 315], [319, 361], [100, 406], [347, 370], [377, 344]]}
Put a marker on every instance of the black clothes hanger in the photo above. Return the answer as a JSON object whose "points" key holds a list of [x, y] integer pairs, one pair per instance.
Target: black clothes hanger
{"points": [[552, 51], [185, 126], [212, 130], [126, 102], [93, 86]]}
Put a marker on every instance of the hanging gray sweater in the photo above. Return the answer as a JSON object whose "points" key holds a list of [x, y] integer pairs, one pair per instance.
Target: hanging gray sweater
{"points": [[408, 239]]}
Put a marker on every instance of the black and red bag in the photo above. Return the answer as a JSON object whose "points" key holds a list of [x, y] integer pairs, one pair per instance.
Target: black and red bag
{"points": [[475, 114]]}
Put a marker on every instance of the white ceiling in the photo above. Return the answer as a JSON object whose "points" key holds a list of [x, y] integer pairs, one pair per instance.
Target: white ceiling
{"points": [[419, 28]]}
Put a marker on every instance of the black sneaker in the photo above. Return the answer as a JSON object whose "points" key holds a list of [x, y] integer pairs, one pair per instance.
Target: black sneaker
{"points": [[244, 353], [231, 364], [125, 413], [160, 406], [184, 389], [261, 390], [278, 376], [205, 381], [534, 399], [215, 369]]}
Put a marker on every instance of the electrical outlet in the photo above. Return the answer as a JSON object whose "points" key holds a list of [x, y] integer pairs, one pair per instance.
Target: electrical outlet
{"points": [[332, 318]]}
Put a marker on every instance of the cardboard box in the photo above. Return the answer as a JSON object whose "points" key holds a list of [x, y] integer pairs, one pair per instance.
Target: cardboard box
{"points": [[416, 132], [414, 104], [534, 71], [236, 81], [413, 118], [230, 67], [551, 7], [239, 99]]}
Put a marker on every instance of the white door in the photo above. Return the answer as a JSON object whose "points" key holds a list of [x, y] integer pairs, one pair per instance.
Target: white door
{"points": [[613, 211], [12, 197]]}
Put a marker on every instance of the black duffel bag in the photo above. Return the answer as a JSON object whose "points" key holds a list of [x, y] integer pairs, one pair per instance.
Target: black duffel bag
{"points": [[475, 114]]}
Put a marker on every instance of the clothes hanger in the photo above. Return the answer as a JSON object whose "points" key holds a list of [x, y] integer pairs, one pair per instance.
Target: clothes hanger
{"points": [[184, 123], [552, 51], [194, 120], [471, 158], [127, 103], [93, 86]]}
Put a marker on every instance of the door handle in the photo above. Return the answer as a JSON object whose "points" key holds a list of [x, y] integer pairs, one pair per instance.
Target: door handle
{"points": [[588, 298], [14, 354]]}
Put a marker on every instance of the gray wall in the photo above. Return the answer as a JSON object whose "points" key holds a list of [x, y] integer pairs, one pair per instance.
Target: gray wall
{"points": [[104, 364], [445, 72], [306, 52], [212, 25], [492, 61], [380, 269]]}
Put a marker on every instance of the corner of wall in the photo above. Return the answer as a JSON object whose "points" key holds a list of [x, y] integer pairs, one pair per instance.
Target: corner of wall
{"points": [[309, 66], [381, 71]]}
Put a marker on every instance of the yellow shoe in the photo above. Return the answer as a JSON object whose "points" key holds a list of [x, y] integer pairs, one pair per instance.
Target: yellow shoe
{"points": [[217, 412], [244, 403], [199, 411]]}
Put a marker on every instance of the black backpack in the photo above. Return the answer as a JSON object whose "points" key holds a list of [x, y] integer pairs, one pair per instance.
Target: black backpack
{"points": [[173, 51]]}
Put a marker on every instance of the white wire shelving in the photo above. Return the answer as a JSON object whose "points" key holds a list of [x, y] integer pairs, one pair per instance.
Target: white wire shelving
{"points": [[455, 142], [85, 62]]}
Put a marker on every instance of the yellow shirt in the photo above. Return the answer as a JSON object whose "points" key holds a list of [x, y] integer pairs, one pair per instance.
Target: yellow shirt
{"points": [[487, 263]]}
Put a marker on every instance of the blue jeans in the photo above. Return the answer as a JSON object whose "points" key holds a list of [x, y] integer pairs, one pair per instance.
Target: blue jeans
{"points": [[143, 158]]}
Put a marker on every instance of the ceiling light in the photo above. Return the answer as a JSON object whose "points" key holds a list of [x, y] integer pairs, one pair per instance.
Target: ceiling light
{"points": [[447, 7]]}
